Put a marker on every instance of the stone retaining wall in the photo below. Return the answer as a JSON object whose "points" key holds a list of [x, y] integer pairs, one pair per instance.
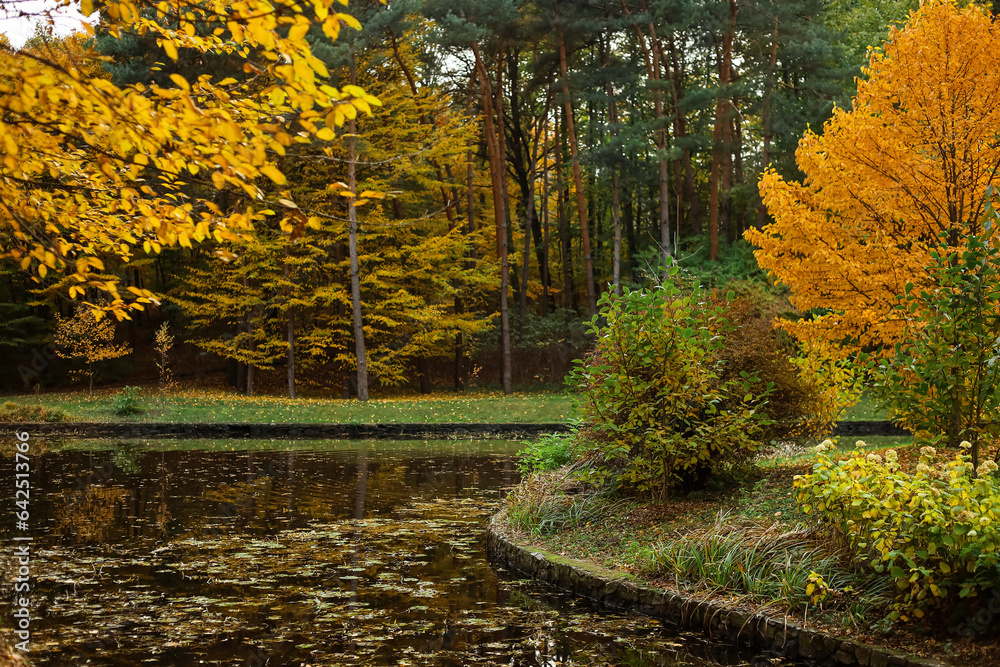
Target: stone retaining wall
{"points": [[318, 431], [868, 428], [727, 624]]}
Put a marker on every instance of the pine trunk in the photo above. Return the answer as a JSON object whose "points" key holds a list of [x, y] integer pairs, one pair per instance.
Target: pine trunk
{"points": [[766, 117], [653, 55], [616, 219], [543, 267], [564, 240], [719, 135], [497, 177], [581, 206]]}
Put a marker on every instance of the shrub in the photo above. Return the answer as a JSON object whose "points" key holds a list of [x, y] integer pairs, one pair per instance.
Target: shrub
{"points": [[795, 403], [944, 380], [658, 408], [547, 453], [126, 402], [934, 530], [14, 412]]}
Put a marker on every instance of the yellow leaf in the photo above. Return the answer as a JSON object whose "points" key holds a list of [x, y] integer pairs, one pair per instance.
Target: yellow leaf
{"points": [[298, 31], [362, 104], [349, 20], [179, 80], [170, 48], [274, 174]]}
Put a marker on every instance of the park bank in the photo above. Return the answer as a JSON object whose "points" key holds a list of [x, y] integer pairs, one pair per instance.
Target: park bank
{"points": [[726, 622]]}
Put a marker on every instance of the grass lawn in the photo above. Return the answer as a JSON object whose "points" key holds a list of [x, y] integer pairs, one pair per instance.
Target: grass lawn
{"points": [[864, 410], [216, 405], [221, 406]]}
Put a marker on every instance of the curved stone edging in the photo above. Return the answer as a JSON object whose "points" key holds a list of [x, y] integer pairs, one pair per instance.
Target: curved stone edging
{"points": [[283, 430], [617, 589]]}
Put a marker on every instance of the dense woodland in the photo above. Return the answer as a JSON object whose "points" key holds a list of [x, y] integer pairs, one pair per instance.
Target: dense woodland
{"points": [[525, 157]]}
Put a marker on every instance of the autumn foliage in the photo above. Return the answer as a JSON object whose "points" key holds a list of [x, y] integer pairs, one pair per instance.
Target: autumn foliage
{"points": [[94, 170], [912, 159], [88, 340]]}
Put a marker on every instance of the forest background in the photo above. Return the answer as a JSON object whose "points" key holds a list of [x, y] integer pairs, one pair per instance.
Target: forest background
{"points": [[526, 157]]}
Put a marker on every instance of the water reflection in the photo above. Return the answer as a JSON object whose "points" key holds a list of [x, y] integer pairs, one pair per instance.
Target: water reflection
{"points": [[301, 554]]}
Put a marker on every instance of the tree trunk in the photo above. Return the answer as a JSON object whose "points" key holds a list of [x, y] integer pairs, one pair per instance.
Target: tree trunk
{"points": [[531, 212], [424, 371], [352, 218], [291, 327], [497, 178], [470, 227], [251, 369], [616, 220], [543, 268], [661, 144], [581, 207], [564, 240], [719, 133], [628, 216], [248, 329], [291, 353], [653, 55], [739, 225], [765, 114]]}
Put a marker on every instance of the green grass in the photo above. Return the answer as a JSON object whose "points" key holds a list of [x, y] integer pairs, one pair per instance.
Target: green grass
{"points": [[864, 410], [219, 406], [194, 406], [844, 443]]}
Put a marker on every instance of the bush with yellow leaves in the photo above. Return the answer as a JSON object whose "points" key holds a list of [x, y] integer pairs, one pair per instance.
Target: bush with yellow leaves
{"points": [[933, 530]]}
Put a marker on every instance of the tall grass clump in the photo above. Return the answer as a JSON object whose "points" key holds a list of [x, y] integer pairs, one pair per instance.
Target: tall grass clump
{"points": [[769, 563], [548, 502]]}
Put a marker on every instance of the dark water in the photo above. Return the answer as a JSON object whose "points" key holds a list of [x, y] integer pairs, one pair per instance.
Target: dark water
{"points": [[297, 553]]}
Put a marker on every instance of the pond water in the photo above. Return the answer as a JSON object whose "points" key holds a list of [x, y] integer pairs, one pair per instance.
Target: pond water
{"points": [[180, 552]]}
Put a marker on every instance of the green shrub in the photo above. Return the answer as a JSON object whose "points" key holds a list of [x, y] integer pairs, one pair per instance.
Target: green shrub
{"points": [[11, 412], [658, 408], [933, 530], [943, 380], [547, 453], [126, 402]]}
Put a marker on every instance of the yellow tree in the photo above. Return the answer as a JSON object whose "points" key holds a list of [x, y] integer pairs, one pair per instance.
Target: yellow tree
{"points": [[93, 170], [910, 161], [89, 340]]}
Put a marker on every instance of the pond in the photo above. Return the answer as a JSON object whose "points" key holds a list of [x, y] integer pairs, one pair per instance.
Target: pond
{"points": [[181, 552]]}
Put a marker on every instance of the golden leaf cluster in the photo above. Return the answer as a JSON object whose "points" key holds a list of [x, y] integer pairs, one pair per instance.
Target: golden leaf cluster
{"points": [[91, 170]]}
